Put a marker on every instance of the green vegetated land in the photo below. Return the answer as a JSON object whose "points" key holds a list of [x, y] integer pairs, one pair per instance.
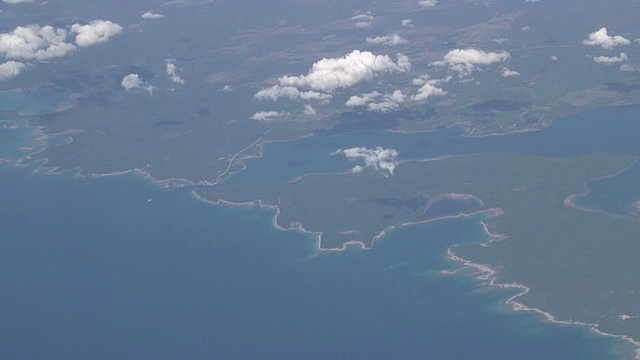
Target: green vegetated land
{"points": [[580, 265], [199, 129]]}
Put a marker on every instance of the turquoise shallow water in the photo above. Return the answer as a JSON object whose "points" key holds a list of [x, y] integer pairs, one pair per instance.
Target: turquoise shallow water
{"points": [[38, 101], [114, 268], [17, 141]]}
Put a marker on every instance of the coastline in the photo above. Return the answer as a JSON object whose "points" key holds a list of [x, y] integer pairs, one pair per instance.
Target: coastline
{"points": [[547, 123], [203, 179], [570, 200], [256, 148], [489, 276], [486, 273], [464, 286]]}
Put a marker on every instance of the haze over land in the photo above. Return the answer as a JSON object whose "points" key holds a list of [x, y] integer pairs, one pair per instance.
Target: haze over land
{"points": [[350, 120]]}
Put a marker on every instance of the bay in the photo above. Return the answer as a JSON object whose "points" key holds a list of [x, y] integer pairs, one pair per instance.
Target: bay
{"points": [[617, 195], [610, 129], [32, 102]]}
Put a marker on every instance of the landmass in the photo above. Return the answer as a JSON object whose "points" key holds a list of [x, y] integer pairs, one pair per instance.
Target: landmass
{"points": [[189, 106], [227, 101], [576, 264]]}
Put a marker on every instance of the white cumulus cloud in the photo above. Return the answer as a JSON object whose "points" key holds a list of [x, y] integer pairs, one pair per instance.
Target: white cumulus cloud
{"points": [[608, 60], [427, 91], [96, 32], [150, 15], [506, 72], [603, 39], [465, 61], [308, 110], [379, 158], [428, 3], [35, 42], [376, 102], [428, 87], [389, 40], [275, 92], [10, 69], [363, 20], [407, 22], [334, 73], [267, 115], [133, 81], [172, 71], [362, 100]]}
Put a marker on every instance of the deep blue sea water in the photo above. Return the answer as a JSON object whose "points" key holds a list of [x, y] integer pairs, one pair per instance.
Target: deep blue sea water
{"points": [[115, 268]]}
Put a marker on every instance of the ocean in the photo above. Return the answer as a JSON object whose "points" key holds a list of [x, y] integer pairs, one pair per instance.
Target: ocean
{"points": [[116, 268]]}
